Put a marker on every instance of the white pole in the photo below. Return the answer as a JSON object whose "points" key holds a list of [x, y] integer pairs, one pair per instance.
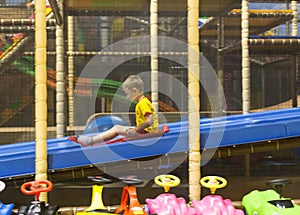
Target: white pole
{"points": [[41, 93], [193, 100], [60, 78], [71, 69], [245, 58], [154, 52], [295, 19]]}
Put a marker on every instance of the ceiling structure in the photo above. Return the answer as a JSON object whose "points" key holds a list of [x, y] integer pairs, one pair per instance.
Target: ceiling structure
{"points": [[165, 7], [260, 20], [267, 45]]}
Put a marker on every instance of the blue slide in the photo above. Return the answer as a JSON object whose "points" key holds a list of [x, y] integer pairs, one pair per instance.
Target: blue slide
{"points": [[18, 160]]}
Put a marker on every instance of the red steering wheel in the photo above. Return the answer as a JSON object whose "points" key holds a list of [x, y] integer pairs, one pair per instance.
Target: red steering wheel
{"points": [[36, 187]]}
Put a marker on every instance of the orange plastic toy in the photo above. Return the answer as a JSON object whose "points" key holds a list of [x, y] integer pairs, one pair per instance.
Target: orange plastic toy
{"points": [[129, 192]]}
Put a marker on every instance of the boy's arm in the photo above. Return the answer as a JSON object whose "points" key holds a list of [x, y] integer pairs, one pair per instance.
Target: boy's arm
{"points": [[30, 4], [147, 123]]}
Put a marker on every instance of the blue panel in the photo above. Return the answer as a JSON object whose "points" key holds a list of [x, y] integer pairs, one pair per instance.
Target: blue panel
{"points": [[293, 128]]}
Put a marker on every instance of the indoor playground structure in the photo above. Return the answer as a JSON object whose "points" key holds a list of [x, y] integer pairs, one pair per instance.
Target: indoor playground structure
{"points": [[223, 76]]}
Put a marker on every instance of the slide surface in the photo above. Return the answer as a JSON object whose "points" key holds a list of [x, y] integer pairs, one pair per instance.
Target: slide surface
{"points": [[19, 159]]}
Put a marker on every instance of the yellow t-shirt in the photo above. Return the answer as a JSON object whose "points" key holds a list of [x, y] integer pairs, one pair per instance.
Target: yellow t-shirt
{"points": [[142, 109]]}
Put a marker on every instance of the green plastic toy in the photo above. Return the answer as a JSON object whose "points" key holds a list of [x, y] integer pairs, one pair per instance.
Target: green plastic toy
{"points": [[270, 202]]}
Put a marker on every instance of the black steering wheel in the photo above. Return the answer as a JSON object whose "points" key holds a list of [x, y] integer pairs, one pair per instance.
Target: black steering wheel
{"points": [[131, 180], [100, 179], [277, 184]]}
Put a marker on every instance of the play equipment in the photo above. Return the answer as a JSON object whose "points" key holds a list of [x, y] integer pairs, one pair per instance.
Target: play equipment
{"points": [[129, 201], [130, 204], [37, 207], [17, 160], [270, 201], [5, 209], [214, 204], [167, 203], [97, 206]]}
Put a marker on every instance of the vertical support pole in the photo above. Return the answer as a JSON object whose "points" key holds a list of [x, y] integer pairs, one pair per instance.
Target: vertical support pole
{"points": [[295, 58], [71, 69], [193, 100], [263, 87], [104, 41], [154, 52], [245, 57], [295, 19], [60, 77], [220, 64], [247, 164], [41, 93], [287, 24], [294, 81]]}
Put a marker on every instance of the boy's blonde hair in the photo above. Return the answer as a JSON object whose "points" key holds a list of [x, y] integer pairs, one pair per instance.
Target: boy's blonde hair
{"points": [[133, 81]]}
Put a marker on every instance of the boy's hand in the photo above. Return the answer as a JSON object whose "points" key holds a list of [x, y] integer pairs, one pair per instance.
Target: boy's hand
{"points": [[131, 132], [29, 5]]}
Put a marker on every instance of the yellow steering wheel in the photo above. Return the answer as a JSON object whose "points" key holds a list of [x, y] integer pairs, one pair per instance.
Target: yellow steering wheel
{"points": [[213, 183], [167, 181]]}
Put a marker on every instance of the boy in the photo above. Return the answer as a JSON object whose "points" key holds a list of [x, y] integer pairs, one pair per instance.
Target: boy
{"points": [[31, 5], [146, 118]]}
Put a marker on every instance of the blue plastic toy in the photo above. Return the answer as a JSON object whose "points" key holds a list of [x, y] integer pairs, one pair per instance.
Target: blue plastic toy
{"points": [[5, 209]]}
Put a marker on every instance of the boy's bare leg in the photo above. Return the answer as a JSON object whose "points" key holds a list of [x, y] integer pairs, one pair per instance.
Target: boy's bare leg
{"points": [[107, 135], [111, 133]]}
